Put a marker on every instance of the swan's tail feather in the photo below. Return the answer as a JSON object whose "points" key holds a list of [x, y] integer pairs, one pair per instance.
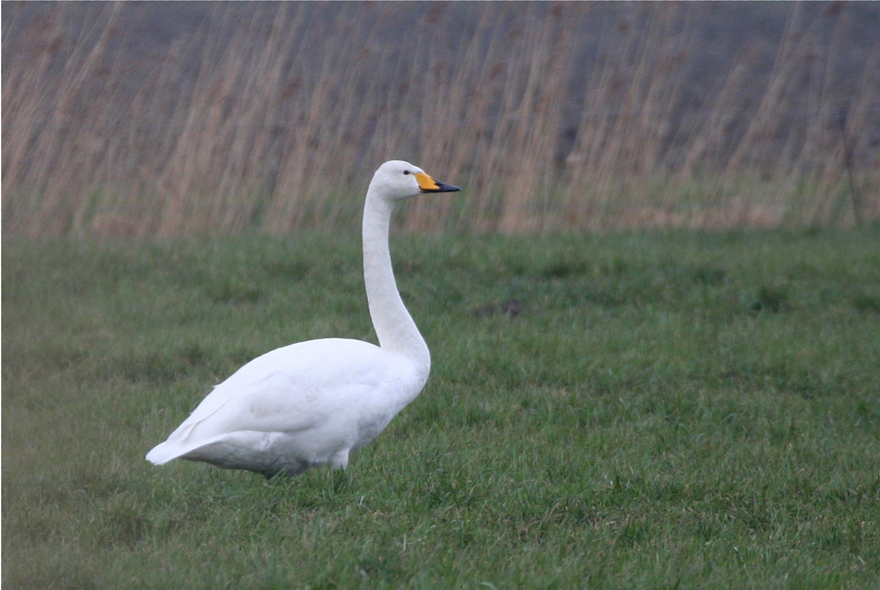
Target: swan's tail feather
{"points": [[165, 452], [174, 448]]}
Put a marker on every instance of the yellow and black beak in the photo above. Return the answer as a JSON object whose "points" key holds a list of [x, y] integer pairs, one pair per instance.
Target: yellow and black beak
{"points": [[429, 185]]}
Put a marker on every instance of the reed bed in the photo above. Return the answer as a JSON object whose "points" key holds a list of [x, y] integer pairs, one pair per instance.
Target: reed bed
{"points": [[272, 119]]}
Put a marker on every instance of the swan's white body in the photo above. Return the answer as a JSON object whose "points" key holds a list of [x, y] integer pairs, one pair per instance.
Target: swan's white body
{"points": [[314, 402]]}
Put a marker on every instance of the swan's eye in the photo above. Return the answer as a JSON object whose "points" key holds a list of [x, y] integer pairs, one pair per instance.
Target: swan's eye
{"points": [[406, 171]]}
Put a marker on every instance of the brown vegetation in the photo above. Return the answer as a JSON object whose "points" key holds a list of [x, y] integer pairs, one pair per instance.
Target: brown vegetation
{"points": [[282, 122]]}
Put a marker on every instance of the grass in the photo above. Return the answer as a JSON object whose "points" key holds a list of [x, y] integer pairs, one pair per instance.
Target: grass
{"points": [[666, 410]]}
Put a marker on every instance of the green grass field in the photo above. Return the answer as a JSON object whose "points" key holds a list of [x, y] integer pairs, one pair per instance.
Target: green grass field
{"points": [[667, 410]]}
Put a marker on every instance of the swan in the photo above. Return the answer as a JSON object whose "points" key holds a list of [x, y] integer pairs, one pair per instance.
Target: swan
{"points": [[313, 403]]}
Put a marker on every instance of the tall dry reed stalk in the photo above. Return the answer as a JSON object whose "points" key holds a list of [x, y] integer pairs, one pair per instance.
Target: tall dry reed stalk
{"points": [[273, 118]]}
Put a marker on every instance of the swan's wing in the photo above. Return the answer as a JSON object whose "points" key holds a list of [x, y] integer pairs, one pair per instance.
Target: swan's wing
{"points": [[228, 410], [291, 389], [278, 401], [292, 371]]}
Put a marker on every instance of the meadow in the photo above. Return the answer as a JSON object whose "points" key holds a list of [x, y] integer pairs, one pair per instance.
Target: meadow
{"points": [[654, 318], [620, 410]]}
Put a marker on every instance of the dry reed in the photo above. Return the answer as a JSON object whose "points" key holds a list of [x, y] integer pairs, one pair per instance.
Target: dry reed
{"points": [[281, 121]]}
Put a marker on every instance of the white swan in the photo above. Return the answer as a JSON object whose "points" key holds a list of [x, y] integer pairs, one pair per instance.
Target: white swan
{"points": [[314, 402]]}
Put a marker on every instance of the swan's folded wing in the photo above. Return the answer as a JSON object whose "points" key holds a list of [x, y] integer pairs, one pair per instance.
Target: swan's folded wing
{"points": [[282, 400], [297, 388], [272, 404], [261, 405]]}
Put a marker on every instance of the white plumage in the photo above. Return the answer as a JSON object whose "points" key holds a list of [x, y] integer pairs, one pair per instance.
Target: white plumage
{"points": [[314, 402]]}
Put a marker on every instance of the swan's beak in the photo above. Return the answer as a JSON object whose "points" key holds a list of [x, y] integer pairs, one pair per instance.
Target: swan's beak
{"points": [[429, 185]]}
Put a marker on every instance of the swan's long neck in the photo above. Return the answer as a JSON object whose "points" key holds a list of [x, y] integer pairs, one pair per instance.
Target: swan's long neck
{"points": [[394, 326]]}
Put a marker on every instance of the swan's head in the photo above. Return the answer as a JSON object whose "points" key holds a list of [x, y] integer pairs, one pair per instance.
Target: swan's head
{"points": [[397, 180]]}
